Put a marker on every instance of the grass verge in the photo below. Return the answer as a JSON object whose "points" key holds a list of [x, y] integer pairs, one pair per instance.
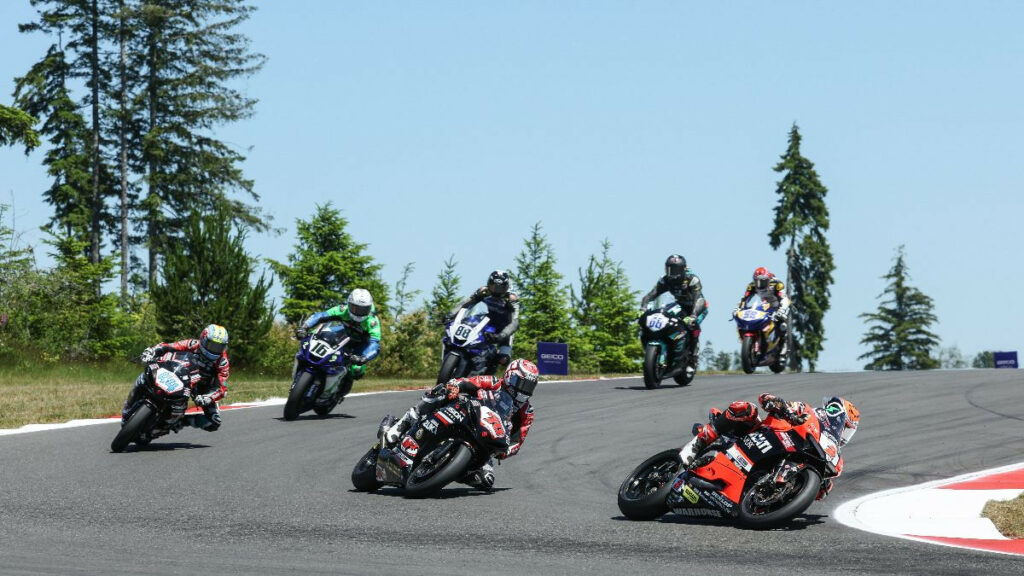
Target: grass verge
{"points": [[61, 392], [1008, 516]]}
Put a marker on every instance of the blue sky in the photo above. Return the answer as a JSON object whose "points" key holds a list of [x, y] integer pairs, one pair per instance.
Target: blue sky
{"points": [[450, 128]]}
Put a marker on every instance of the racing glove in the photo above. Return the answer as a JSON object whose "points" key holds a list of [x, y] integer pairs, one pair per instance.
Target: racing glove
{"points": [[147, 355], [301, 333], [451, 390], [203, 400], [492, 337], [690, 321], [358, 359]]}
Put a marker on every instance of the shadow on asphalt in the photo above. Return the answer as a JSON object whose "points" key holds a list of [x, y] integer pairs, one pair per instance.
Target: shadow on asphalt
{"points": [[314, 416], [799, 523], [164, 447], [646, 389], [445, 494]]}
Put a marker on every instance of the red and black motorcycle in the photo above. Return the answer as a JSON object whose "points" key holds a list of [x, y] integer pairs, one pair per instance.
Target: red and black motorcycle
{"points": [[161, 402], [762, 479], [440, 447]]}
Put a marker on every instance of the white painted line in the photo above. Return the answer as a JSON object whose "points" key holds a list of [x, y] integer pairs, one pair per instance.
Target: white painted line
{"points": [[257, 404], [928, 509]]}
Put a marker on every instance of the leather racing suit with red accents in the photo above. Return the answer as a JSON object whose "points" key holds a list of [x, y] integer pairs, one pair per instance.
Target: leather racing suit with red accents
{"points": [[214, 384]]}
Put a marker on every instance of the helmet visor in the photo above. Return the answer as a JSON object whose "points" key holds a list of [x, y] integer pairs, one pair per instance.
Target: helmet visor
{"points": [[212, 350], [674, 270], [497, 289], [522, 385], [359, 312]]}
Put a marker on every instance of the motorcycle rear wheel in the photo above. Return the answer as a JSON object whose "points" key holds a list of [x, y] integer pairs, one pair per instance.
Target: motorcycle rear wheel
{"points": [[364, 475], [752, 516], [448, 368], [297, 396], [643, 494], [747, 355], [449, 461], [652, 370], [132, 428]]}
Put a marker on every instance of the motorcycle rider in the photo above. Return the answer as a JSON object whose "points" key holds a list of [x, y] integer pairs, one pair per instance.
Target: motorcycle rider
{"points": [[741, 417], [685, 286], [519, 380], [363, 329], [773, 291], [502, 309], [211, 353]]}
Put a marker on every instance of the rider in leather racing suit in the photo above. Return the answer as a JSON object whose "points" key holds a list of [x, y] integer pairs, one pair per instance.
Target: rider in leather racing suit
{"points": [[773, 291], [211, 351], [520, 381], [363, 329], [502, 309], [685, 286], [741, 417]]}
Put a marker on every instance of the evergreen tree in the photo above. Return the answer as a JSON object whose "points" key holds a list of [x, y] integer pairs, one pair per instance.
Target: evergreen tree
{"points": [[207, 279], [707, 356], [952, 358], [604, 314], [409, 347], [16, 127], [801, 220], [544, 304], [723, 361], [445, 294], [403, 296], [326, 265], [984, 360], [900, 338]]}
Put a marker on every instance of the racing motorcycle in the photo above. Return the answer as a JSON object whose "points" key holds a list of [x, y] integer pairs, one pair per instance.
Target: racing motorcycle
{"points": [[162, 402], [465, 351], [664, 340], [440, 448], [322, 357], [761, 344], [762, 479]]}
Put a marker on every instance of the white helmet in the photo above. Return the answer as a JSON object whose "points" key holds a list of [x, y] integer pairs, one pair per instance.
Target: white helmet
{"points": [[360, 303]]}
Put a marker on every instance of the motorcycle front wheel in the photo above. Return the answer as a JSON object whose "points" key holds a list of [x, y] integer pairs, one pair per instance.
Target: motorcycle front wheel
{"points": [[747, 355], [364, 475], [759, 508], [443, 465], [297, 396], [652, 368], [132, 428], [449, 368], [643, 494]]}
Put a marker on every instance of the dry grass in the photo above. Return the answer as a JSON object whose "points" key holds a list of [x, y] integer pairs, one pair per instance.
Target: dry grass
{"points": [[1008, 516]]}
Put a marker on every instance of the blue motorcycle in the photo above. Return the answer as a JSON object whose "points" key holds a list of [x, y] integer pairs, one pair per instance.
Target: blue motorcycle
{"points": [[761, 345], [320, 361], [466, 352]]}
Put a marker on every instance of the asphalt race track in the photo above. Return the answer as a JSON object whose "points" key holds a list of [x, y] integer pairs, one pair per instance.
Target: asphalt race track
{"points": [[264, 496]]}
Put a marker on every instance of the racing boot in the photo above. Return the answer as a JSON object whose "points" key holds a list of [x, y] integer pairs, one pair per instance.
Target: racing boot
{"points": [[392, 434], [691, 361], [482, 478], [692, 448]]}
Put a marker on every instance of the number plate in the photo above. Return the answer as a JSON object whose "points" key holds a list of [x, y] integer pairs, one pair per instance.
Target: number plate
{"points": [[656, 321]]}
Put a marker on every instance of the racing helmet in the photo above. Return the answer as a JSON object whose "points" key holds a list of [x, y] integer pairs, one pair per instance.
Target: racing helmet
{"points": [[675, 267], [360, 304], [835, 406], [498, 283], [741, 411], [521, 377], [213, 340], [762, 276]]}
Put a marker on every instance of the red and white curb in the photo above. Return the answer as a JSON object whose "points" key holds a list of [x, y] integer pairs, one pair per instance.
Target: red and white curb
{"points": [[946, 512], [261, 403]]}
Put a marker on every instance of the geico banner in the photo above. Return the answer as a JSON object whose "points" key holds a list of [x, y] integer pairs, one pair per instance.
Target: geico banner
{"points": [[552, 358], [1005, 359]]}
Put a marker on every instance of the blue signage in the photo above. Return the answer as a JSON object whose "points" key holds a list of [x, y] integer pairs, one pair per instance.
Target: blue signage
{"points": [[1005, 359], [552, 358]]}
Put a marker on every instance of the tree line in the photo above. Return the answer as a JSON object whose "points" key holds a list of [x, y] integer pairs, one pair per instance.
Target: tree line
{"points": [[126, 102]]}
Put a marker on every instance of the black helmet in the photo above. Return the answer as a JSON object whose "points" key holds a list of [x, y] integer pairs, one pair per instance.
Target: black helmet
{"points": [[675, 267], [498, 283]]}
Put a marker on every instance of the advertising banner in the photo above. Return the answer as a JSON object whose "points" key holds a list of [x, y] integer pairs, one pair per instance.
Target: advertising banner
{"points": [[552, 358], [1005, 359]]}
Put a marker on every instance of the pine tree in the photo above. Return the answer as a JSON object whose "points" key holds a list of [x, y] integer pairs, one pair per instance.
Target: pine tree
{"points": [[604, 314], [16, 127], [445, 294], [951, 358], [403, 296], [326, 265], [544, 306], [900, 338], [707, 356], [723, 361], [984, 360], [801, 220], [207, 279]]}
